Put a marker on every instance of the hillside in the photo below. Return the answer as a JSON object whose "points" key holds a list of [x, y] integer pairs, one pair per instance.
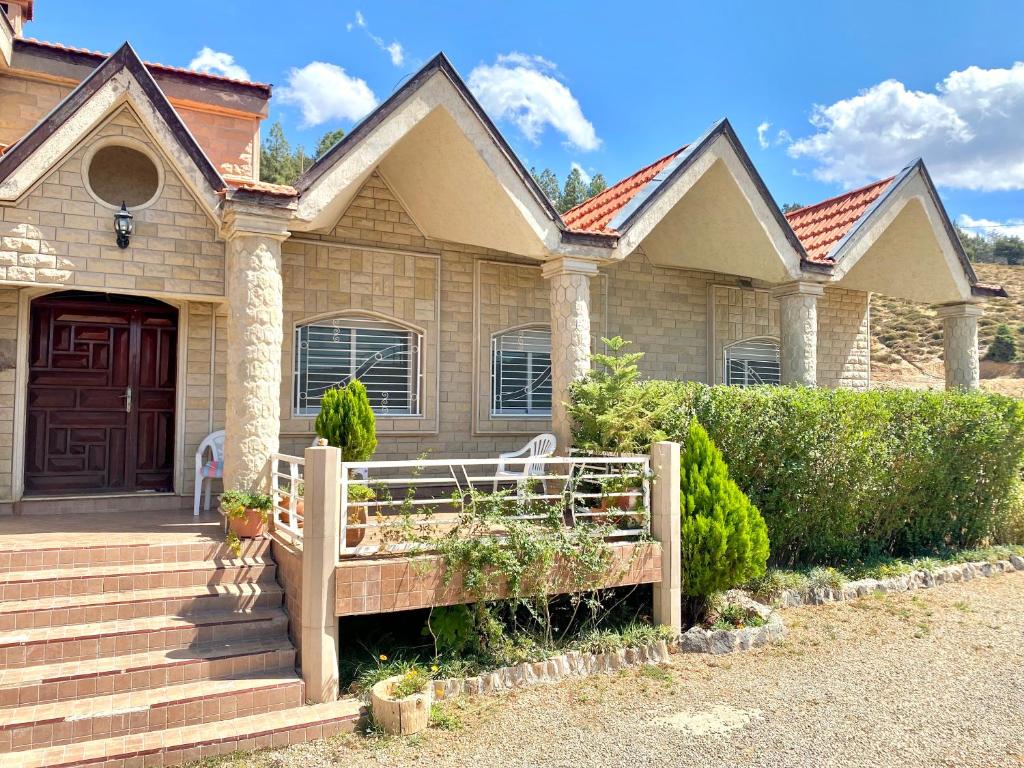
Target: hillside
{"points": [[907, 337]]}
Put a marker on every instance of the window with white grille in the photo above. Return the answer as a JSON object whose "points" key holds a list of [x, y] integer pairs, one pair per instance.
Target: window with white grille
{"points": [[521, 372], [384, 356], [754, 361]]}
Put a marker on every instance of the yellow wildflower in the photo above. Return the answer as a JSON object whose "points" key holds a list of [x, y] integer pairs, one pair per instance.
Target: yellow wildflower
{"points": [[383, 657]]}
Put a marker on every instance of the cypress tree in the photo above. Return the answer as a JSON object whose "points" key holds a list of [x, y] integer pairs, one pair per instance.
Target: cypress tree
{"points": [[346, 421], [724, 537], [1003, 348]]}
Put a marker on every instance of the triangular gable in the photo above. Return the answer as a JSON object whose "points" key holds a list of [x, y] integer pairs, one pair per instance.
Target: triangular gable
{"points": [[330, 183], [121, 77], [911, 193]]}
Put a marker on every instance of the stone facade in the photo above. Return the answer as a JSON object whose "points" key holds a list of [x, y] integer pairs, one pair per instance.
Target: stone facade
{"points": [[8, 340], [25, 102], [798, 332], [960, 345]]}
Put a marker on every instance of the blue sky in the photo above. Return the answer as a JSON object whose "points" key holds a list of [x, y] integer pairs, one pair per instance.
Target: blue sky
{"points": [[842, 92]]}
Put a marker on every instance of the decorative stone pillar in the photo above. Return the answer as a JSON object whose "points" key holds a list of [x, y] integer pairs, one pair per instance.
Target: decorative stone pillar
{"points": [[960, 345], [570, 335], [798, 327], [255, 332]]}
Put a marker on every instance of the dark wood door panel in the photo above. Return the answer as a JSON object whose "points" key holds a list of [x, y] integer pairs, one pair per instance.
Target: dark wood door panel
{"points": [[83, 431]]}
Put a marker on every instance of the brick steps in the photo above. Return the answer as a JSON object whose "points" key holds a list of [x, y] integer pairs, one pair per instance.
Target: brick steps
{"points": [[136, 604], [86, 580], [120, 714], [62, 681], [128, 554], [83, 641], [173, 746]]}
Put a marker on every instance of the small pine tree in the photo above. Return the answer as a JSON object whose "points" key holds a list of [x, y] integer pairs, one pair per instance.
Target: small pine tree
{"points": [[1003, 348], [347, 421], [724, 537]]}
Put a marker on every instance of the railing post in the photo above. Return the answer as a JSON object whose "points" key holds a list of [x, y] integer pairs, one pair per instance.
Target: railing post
{"points": [[319, 636], [665, 521]]}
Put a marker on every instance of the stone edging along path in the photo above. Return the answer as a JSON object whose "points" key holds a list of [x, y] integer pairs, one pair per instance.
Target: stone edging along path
{"points": [[713, 641], [568, 664], [950, 574]]}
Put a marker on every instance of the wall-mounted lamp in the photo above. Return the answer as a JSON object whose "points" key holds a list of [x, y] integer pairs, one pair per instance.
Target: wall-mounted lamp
{"points": [[123, 226]]}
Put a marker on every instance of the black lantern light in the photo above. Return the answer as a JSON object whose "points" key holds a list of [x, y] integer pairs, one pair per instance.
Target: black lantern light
{"points": [[123, 226]]}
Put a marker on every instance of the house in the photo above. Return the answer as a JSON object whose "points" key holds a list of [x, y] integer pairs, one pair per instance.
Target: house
{"points": [[417, 253]]}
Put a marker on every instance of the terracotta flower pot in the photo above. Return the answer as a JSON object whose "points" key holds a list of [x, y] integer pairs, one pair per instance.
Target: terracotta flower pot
{"points": [[400, 717], [356, 516], [300, 510], [249, 526]]}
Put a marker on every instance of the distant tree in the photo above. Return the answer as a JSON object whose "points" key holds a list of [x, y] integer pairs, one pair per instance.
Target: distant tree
{"points": [[1008, 249], [1003, 348], [327, 141], [596, 186], [975, 246], [574, 192], [548, 183], [790, 207]]}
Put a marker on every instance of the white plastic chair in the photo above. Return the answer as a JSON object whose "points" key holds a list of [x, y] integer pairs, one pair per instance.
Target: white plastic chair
{"points": [[539, 447], [209, 470]]}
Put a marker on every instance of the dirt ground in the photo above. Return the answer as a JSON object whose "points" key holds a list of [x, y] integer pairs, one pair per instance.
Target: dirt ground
{"points": [[930, 678]]}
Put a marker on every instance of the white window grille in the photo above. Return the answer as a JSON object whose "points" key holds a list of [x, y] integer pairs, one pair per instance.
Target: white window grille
{"points": [[521, 372], [754, 361], [384, 356]]}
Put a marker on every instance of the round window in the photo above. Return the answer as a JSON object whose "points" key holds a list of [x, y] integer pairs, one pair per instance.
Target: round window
{"points": [[119, 174]]}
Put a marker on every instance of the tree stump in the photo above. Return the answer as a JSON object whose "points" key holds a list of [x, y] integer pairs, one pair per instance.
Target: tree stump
{"points": [[400, 717]]}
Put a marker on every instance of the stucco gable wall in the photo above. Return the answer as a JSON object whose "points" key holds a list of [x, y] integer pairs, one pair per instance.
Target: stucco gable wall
{"points": [[60, 235]]}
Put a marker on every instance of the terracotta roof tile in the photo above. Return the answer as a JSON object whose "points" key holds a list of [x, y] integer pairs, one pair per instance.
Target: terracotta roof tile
{"points": [[594, 215], [277, 190], [820, 226], [152, 66]]}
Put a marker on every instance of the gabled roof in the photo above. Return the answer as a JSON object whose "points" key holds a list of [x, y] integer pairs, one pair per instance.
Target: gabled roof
{"points": [[822, 225], [124, 59], [96, 57], [596, 214]]}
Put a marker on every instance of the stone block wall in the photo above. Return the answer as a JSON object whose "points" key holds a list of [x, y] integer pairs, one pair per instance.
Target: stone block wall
{"points": [[60, 235], [230, 141], [24, 102], [844, 339], [8, 339], [205, 386]]}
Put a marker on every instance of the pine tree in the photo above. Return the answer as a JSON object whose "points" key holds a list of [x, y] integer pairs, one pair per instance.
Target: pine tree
{"points": [[277, 164], [1003, 348], [596, 186], [327, 141], [574, 192], [724, 537], [548, 183]]}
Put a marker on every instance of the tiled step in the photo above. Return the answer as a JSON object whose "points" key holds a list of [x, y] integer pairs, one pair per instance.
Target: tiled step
{"points": [[119, 714], [108, 638], [88, 580], [128, 554], [138, 604], [174, 746], [63, 681]]}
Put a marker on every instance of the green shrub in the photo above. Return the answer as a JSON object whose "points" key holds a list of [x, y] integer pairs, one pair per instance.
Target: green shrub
{"points": [[1003, 348], [724, 539], [843, 476], [346, 421]]}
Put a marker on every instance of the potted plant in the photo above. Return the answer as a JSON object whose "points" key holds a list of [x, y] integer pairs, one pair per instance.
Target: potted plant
{"points": [[401, 704], [617, 501], [346, 421], [286, 502], [247, 512]]}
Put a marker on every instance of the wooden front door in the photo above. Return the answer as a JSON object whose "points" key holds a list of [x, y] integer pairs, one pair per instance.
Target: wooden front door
{"points": [[101, 397]]}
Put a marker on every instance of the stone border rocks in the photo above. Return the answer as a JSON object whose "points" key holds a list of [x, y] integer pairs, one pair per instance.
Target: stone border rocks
{"points": [[906, 582], [716, 641], [569, 664]]}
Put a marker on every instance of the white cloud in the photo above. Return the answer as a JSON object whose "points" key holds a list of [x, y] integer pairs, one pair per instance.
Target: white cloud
{"points": [[583, 174], [989, 227], [218, 63], [325, 92], [524, 90], [968, 130], [762, 135], [393, 49]]}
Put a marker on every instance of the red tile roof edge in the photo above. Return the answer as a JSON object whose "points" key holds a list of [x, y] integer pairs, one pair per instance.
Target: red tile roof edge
{"points": [[264, 187], [155, 66], [837, 198], [603, 206]]}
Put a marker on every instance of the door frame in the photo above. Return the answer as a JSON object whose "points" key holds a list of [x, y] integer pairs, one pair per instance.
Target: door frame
{"points": [[25, 298]]}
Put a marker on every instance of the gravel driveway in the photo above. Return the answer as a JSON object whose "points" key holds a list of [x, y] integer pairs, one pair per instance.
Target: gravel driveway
{"points": [[932, 678]]}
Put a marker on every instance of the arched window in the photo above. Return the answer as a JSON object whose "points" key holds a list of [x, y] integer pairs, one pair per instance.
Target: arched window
{"points": [[752, 361], [521, 372], [383, 355]]}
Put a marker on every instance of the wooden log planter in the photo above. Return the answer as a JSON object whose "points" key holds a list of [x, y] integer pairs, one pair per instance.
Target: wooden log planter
{"points": [[400, 717]]}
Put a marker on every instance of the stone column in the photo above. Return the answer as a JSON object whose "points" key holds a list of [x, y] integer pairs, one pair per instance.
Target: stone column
{"points": [[798, 327], [570, 335], [255, 332], [960, 345]]}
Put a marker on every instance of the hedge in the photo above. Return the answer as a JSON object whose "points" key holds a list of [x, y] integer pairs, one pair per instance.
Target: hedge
{"points": [[841, 476]]}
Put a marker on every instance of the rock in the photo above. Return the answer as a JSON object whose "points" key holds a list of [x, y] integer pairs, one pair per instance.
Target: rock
{"points": [[519, 674], [722, 641], [1017, 562], [662, 651], [632, 657], [694, 640]]}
